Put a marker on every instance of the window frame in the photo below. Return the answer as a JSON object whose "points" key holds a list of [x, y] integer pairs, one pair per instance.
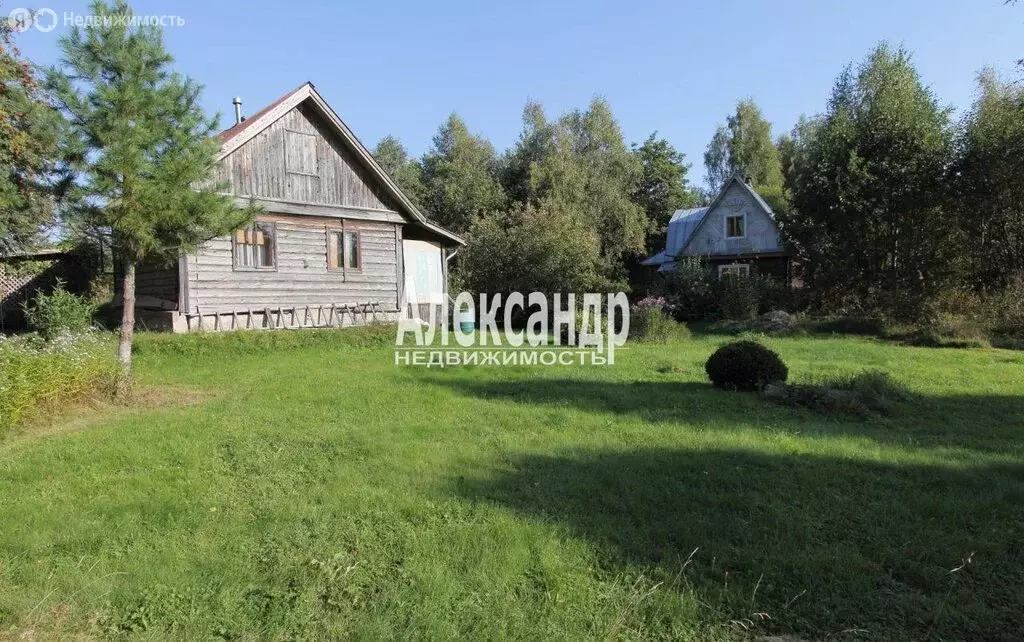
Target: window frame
{"points": [[316, 156], [344, 229], [743, 267], [235, 267], [743, 218]]}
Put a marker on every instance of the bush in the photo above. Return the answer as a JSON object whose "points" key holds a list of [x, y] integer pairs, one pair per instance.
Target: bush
{"points": [[1006, 311], [866, 393], [745, 365], [874, 386], [59, 312], [738, 297], [688, 290], [695, 293], [776, 322], [649, 321], [858, 325], [36, 374]]}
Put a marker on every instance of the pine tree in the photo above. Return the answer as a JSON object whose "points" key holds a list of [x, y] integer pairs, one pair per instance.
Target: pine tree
{"points": [[140, 149], [29, 132]]}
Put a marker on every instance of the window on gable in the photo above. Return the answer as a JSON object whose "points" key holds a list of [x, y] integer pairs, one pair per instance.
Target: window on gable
{"points": [[300, 153], [344, 251], [253, 246], [736, 226]]}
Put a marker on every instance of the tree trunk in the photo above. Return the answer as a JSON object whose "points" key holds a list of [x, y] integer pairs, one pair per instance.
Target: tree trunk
{"points": [[124, 350]]}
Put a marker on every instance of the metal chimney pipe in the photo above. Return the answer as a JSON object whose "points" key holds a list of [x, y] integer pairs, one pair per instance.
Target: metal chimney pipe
{"points": [[237, 102]]}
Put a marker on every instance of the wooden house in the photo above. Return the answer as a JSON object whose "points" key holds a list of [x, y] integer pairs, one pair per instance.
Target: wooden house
{"points": [[736, 234], [339, 243]]}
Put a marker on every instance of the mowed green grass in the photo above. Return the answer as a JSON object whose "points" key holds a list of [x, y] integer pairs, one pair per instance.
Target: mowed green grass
{"points": [[325, 492]]}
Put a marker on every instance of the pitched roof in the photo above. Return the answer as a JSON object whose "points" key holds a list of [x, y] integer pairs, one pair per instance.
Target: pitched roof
{"points": [[735, 178], [684, 224], [680, 228], [248, 121], [234, 137]]}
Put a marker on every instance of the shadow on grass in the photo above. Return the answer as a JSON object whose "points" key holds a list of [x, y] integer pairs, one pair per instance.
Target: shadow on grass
{"points": [[821, 545], [992, 423]]}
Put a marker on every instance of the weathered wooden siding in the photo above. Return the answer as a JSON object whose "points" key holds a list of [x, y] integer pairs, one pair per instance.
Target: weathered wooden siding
{"points": [[297, 159], [762, 235], [156, 283], [301, 276]]}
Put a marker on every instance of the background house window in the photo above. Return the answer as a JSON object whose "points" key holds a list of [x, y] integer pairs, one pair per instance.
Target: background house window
{"points": [[736, 226], [254, 246], [343, 250], [733, 269]]}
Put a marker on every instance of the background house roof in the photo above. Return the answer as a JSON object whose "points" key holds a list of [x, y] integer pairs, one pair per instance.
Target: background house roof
{"points": [[680, 228]]}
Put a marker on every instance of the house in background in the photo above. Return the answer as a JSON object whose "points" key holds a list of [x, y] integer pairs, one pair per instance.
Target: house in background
{"points": [[339, 243], [737, 234]]}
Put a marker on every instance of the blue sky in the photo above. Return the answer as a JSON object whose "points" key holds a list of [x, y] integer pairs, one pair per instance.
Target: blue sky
{"points": [[678, 67]]}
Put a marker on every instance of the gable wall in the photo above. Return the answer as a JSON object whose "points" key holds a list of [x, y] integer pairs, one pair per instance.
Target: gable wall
{"points": [[297, 159], [762, 233]]}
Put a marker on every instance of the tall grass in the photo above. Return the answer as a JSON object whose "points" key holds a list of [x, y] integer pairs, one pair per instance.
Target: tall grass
{"points": [[36, 374], [262, 341]]}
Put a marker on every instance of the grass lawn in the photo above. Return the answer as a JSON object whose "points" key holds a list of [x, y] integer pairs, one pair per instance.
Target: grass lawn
{"points": [[325, 492]]}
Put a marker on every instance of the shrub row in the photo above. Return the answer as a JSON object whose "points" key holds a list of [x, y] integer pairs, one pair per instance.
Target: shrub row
{"points": [[694, 292], [36, 374]]}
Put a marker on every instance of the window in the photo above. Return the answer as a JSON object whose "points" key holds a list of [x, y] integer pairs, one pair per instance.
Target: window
{"points": [[300, 153], [343, 250], [733, 269], [736, 226], [254, 247]]}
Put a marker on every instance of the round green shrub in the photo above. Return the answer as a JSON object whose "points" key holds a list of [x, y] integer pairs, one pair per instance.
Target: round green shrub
{"points": [[745, 365]]}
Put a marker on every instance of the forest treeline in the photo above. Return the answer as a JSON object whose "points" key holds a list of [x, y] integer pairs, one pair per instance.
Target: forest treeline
{"points": [[888, 201]]}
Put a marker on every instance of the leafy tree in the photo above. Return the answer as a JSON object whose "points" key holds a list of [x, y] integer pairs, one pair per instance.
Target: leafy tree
{"points": [[29, 132], [460, 177], [662, 188], [990, 183], [793, 150], [139, 147], [545, 247], [744, 144], [536, 143], [869, 191], [589, 169], [391, 155]]}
